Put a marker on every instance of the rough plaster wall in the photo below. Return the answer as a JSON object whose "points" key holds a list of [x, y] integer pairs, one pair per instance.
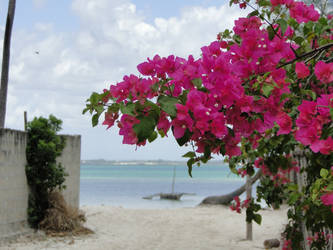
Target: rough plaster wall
{"points": [[70, 159], [13, 183]]}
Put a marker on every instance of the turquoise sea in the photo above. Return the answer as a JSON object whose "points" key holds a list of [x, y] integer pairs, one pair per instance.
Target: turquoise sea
{"points": [[125, 185]]}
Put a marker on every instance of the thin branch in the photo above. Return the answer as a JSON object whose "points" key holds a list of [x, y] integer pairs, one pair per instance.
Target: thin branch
{"points": [[324, 47], [320, 53]]}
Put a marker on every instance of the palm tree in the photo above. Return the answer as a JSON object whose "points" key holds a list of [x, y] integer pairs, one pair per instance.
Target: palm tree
{"points": [[5, 61]]}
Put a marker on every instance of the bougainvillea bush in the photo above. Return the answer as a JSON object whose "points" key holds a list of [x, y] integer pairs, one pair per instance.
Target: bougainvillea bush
{"points": [[258, 93]]}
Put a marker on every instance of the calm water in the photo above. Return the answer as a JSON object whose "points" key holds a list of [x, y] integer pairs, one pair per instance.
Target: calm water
{"points": [[126, 185]]}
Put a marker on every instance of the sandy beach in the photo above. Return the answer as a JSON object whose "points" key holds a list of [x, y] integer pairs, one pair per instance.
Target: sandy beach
{"points": [[200, 228]]}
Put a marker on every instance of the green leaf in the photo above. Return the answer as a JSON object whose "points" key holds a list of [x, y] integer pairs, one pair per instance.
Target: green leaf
{"points": [[197, 82], [299, 40], [253, 13], [267, 89], [168, 104], [207, 152], [189, 154], [145, 128], [161, 132], [292, 187], [190, 163], [257, 218], [186, 137], [155, 87], [283, 25], [99, 109], [94, 120], [323, 21], [94, 98], [329, 187], [85, 110], [129, 108], [114, 108], [222, 149], [271, 33], [293, 198], [331, 112], [309, 92], [152, 137], [324, 173]]}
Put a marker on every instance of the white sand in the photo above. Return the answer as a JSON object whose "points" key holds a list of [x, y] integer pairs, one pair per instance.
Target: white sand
{"points": [[201, 228]]}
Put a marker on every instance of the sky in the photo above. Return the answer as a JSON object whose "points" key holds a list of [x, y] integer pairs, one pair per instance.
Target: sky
{"points": [[85, 46]]}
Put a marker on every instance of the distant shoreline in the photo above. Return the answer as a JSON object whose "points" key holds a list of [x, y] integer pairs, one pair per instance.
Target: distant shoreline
{"points": [[144, 162]]}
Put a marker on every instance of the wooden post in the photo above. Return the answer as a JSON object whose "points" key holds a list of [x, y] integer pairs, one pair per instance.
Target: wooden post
{"points": [[25, 121], [173, 180], [249, 231], [299, 155]]}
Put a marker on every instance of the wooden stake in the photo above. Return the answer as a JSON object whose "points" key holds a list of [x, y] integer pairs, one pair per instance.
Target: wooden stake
{"points": [[249, 231], [25, 121]]}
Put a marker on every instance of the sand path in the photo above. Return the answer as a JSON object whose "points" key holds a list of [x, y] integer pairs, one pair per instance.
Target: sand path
{"points": [[199, 228]]}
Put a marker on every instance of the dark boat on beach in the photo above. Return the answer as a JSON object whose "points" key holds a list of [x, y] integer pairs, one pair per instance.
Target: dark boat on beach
{"points": [[169, 196]]}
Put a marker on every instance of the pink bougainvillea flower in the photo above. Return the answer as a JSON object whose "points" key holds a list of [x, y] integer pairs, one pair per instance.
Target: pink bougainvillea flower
{"points": [[236, 206], [307, 109], [326, 146], [231, 147], [242, 25], [307, 136], [327, 200], [163, 123], [324, 71], [285, 123], [182, 122], [179, 128], [126, 129], [147, 68], [324, 103], [242, 5], [303, 13], [218, 127], [110, 119], [302, 70]]}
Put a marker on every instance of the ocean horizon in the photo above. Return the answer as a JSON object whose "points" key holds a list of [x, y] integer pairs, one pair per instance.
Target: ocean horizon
{"points": [[126, 185]]}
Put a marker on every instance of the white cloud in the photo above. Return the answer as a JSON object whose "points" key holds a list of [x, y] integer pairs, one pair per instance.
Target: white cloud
{"points": [[39, 3], [113, 38]]}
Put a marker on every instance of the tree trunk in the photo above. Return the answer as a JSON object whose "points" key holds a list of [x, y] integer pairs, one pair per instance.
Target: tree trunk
{"points": [[5, 61], [226, 199]]}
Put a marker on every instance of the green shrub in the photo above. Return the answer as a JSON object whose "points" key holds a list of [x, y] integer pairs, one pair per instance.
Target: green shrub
{"points": [[44, 174]]}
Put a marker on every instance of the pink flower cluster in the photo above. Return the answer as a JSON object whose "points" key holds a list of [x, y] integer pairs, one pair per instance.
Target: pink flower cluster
{"points": [[237, 205], [327, 199], [299, 10], [324, 72], [217, 108], [281, 177], [313, 116], [208, 114], [286, 245], [138, 88], [318, 236]]}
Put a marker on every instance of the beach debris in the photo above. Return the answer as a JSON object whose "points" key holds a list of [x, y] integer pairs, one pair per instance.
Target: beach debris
{"points": [[271, 243], [61, 219]]}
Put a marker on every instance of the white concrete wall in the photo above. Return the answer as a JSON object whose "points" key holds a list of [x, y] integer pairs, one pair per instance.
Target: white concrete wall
{"points": [[13, 184], [70, 159]]}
